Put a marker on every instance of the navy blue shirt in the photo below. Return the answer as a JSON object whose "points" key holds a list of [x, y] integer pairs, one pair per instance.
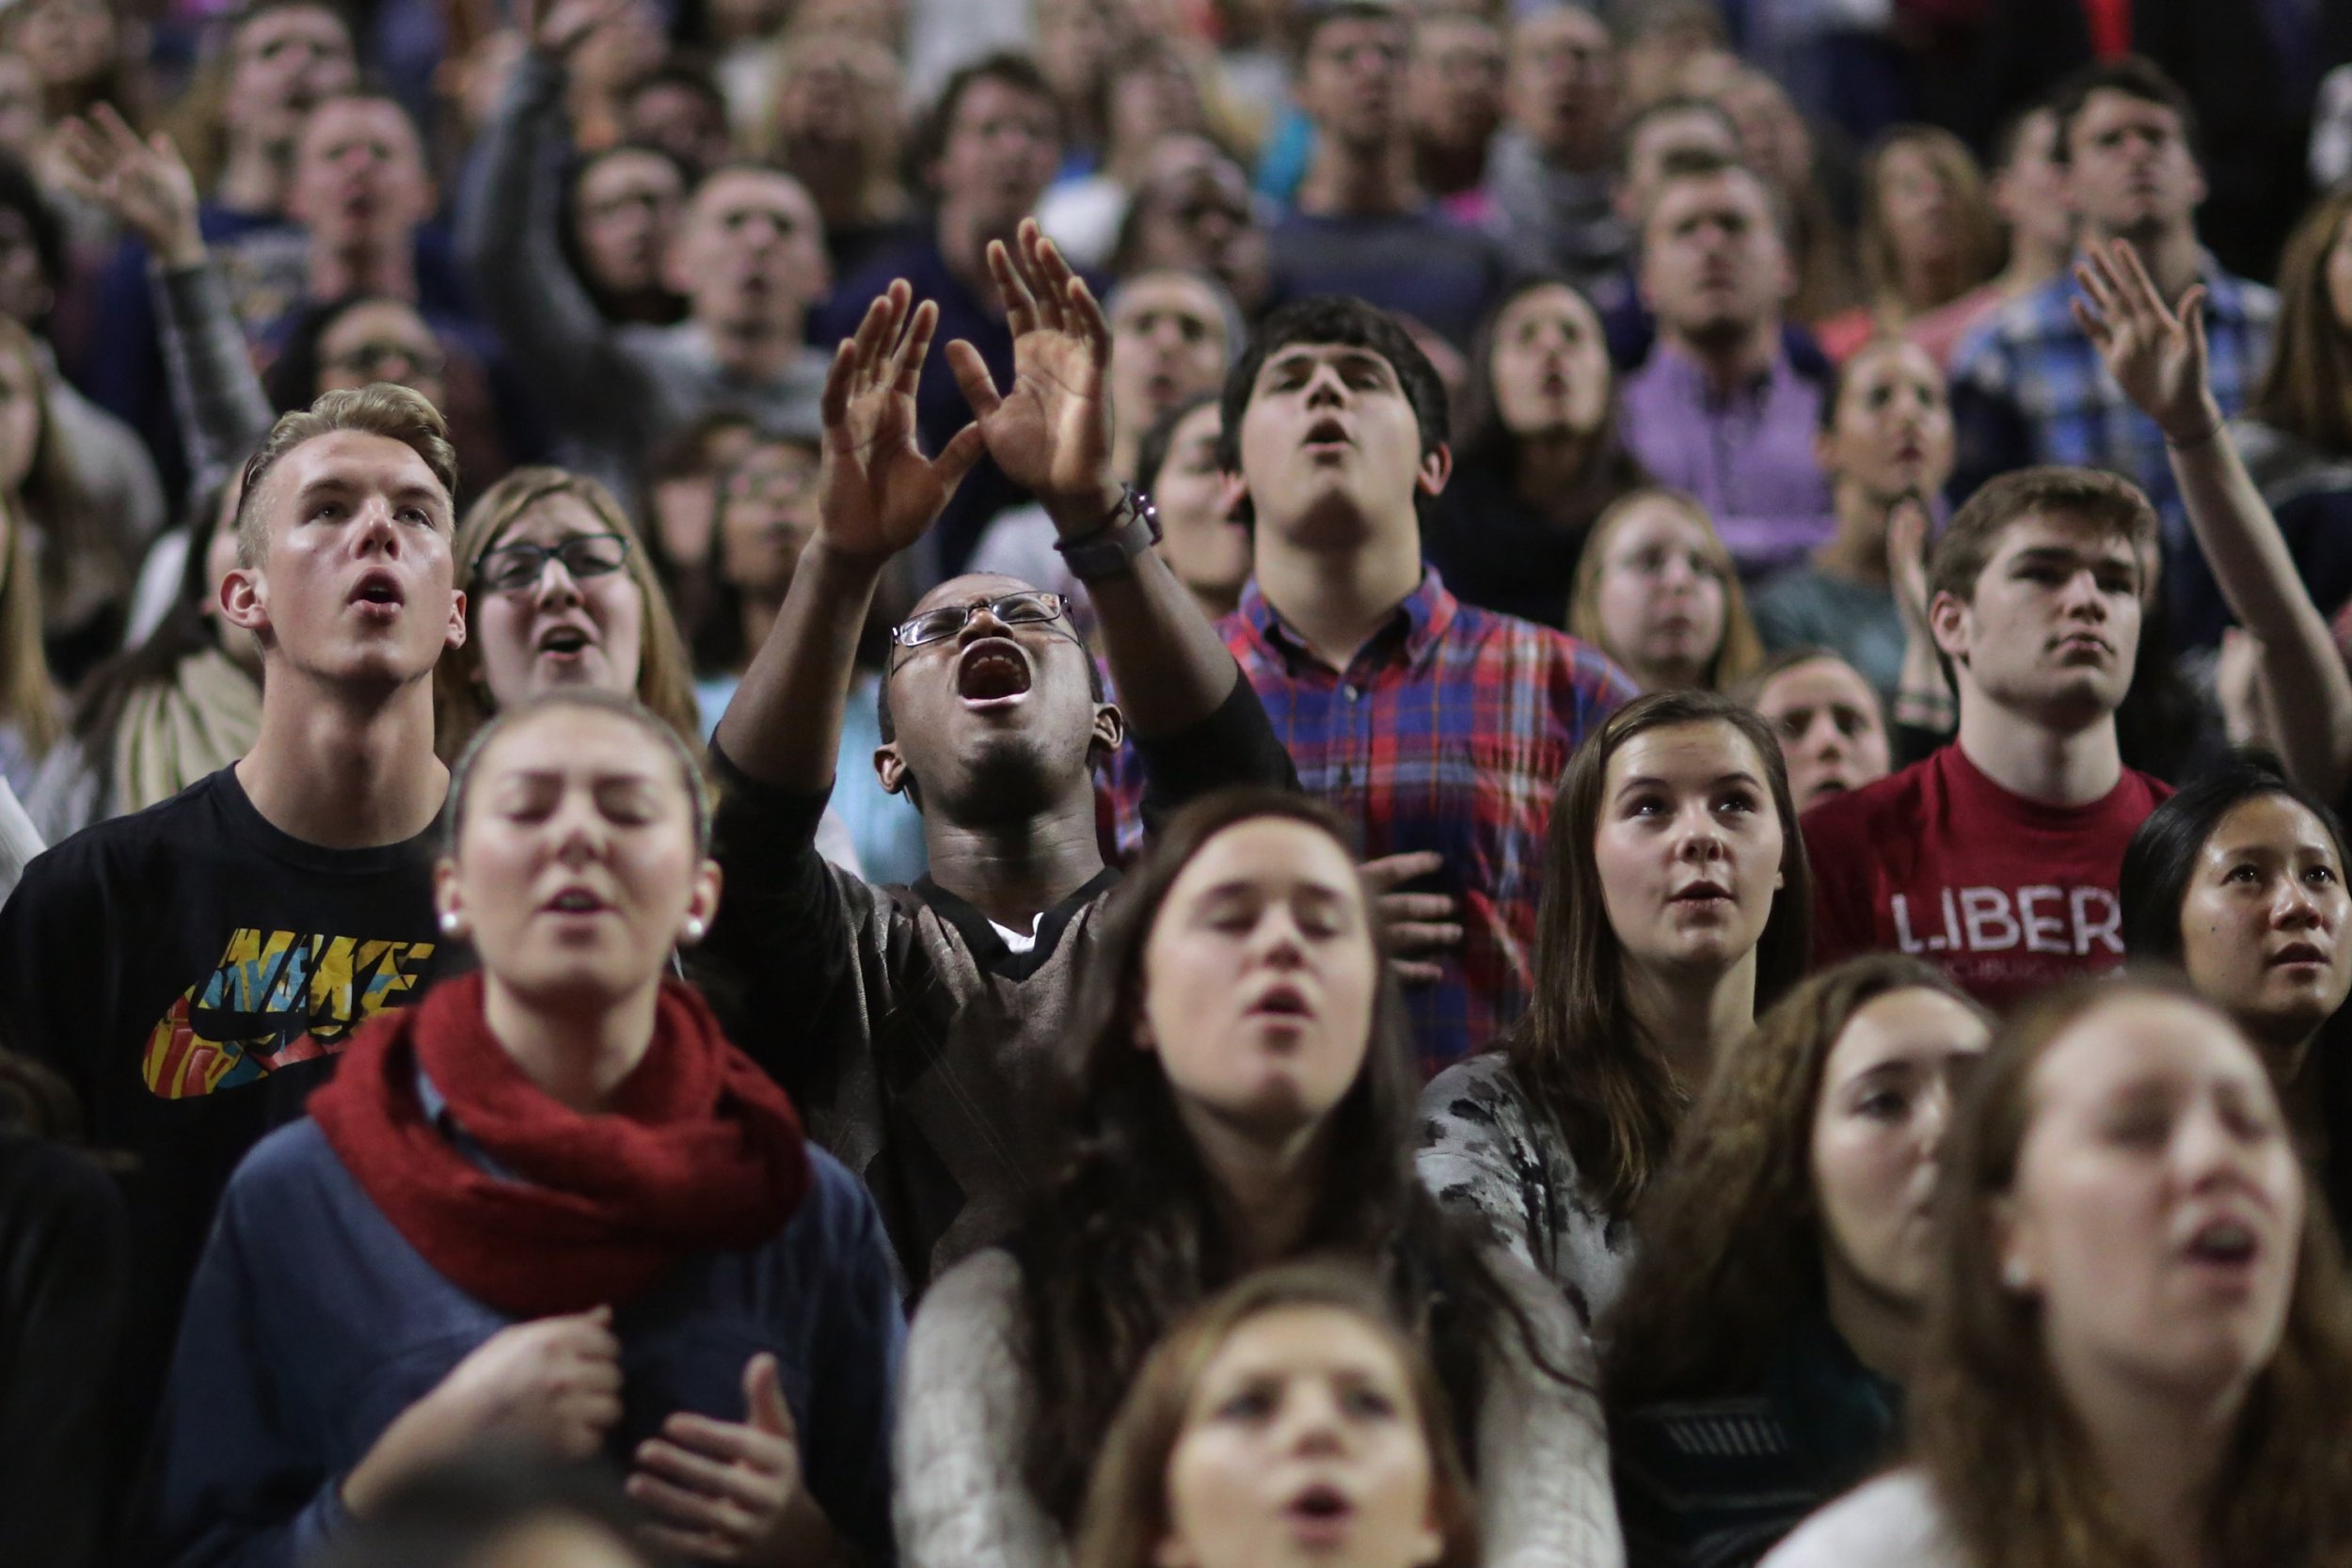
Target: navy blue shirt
{"points": [[312, 1324]]}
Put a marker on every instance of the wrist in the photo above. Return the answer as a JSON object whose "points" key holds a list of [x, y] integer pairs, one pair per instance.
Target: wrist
{"points": [[2181, 435], [1082, 510], [842, 564]]}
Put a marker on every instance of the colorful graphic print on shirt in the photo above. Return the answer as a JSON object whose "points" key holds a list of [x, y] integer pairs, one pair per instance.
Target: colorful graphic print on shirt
{"points": [[276, 998]]}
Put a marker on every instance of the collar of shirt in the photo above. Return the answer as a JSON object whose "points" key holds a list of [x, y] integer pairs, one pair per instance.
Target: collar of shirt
{"points": [[1687, 382], [436, 1107], [1414, 631]]}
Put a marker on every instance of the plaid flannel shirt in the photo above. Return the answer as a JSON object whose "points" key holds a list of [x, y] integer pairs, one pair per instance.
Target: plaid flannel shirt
{"points": [[1449, 731]]}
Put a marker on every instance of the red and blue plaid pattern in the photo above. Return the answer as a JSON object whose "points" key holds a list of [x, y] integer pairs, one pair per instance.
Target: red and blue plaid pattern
{"points": [[1449, 731]]}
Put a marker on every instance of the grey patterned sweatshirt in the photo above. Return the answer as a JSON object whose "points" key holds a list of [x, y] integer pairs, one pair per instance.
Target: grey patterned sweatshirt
{"points": [[1490, 1152]]}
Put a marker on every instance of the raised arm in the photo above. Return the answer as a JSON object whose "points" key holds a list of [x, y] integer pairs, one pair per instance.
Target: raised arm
{"points": [[877, 494], [508, 234], [2158, 357], [1051, 435], [222, 410]]}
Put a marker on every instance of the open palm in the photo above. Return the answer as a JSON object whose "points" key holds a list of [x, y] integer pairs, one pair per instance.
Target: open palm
{"points": [[143, 183], [1050, 433], [2155, 355], [878, 491]]}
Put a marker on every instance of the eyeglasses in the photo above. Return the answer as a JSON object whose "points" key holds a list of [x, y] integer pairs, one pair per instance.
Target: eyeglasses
{"points": [[371, 360], [511, 567], [1014, 610]]}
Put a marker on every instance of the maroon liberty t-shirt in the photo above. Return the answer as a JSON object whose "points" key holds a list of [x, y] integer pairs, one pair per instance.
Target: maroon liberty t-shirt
{"points": [[2004, 895]]}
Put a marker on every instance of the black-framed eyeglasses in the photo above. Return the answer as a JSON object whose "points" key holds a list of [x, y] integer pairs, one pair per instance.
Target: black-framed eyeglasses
{"points": [[510, 567], [1027, 608]]}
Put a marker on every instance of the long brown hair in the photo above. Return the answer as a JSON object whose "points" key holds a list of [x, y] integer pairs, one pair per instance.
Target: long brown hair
{"points": [[461, 701], [2307, 391], [1127, 1236], [1738, 1194], [1740, 652], [1613, 1092], [2010, 1465], [76, 537], [1127, 1515], [1980, 240]]}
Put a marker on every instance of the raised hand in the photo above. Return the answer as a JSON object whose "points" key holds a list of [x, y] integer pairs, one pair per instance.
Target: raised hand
{"points": [[1423, 927], [1051, 434], [1907, 561], [145, 184], [877, 491], [2157, 355], [721, 1490]]}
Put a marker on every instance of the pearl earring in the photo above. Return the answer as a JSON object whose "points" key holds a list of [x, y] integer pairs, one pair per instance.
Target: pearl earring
{"points": [[450, 923], [694, 928], [2014, 1274]]}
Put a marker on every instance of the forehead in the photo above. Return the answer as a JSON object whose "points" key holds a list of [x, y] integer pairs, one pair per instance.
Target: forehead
{"points": [[1897, 1023], [631, 169], [1816, 683], [550, 517], [1164, 293], [2137, 1041], [345, 118], [272, 27], [1570, 27], [751, 190], [771, 456], [1703, 749], [1655, 520], [991, 98], [1202, 424], [2270, 819], [1269, 849], [1302, 356], [2112, 109], [1335, 38], [579, 742], [1692, 128], [1453, 33], [377, 317], [1896, 360], [1725, 192], [359, 459], [1304, 1340], [2057, 529], [1549, 302], [976, 585]]}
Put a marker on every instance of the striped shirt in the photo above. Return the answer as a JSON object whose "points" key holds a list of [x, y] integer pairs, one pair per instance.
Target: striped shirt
{"points": [[1448, 731]]}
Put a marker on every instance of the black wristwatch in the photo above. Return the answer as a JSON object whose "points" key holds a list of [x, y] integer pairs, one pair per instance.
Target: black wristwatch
{"points": [[1110, 549]]}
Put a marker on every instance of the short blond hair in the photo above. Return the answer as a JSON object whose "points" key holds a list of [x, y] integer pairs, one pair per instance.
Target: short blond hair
{"points": [[379, 410]]}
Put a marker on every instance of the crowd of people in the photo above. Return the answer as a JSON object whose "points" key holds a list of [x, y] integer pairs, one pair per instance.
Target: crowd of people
{"points": [[1175, 783]]}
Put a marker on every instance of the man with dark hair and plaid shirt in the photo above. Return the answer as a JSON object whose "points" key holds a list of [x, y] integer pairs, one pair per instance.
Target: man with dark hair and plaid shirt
{"points": [[2028, 385], [1437, 729]]}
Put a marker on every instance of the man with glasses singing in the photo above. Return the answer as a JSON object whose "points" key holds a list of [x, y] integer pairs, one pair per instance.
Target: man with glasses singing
{"points": [[915, 1025]]}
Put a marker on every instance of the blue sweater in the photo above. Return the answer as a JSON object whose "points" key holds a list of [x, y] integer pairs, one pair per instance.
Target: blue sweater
{"points": [[312, 1324]]}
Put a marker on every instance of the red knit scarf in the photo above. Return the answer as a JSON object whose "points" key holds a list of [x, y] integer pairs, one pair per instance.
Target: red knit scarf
{"points": [[700, 1151]]}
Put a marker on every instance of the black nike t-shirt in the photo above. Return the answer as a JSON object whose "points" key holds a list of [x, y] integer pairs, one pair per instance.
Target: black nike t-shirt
{"points": [[191, 971]]}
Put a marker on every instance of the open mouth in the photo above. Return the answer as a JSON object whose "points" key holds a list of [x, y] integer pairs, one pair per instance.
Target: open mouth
{"points": [[2224, 1243], [379, 589], [564, 642], [575, 900], [1704, 893], [992, 669], [1281, 1002], [1321, 1513], [1327, 435]]}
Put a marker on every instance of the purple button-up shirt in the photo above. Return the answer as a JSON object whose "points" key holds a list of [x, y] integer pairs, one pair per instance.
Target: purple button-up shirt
{"points": [[1748, 457]]}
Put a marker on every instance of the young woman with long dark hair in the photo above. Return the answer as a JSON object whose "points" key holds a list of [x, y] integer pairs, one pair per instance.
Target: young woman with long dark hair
{"points": [[1237, 1094], [1676, 902], [1757, 1354]]}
